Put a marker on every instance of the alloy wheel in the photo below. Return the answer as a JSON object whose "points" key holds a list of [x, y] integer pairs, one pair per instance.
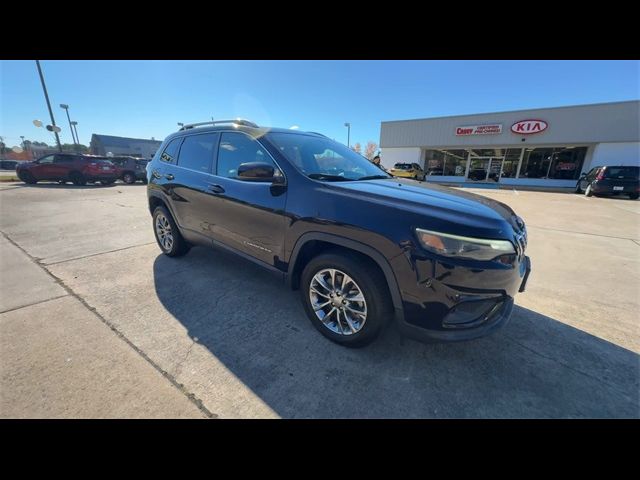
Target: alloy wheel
{"points": [[163, 232], [338, 302]]}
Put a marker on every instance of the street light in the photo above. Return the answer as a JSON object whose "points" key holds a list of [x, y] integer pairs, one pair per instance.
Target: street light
{"points": [[66, 108], [75, 127], [46, 96], [348, 125]]}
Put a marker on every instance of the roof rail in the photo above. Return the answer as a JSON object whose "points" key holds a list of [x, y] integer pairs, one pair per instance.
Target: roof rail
{"points": [[237, 121], [321, 134]]}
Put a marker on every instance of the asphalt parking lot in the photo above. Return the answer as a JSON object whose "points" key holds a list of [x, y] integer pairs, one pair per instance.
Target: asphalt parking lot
{"points": [[96, 322]]}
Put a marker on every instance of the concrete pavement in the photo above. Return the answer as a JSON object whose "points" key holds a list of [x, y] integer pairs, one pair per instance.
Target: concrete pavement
{"points": [[233, 342]]}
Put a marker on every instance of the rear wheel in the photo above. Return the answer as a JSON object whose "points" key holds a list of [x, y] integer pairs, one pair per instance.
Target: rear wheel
{"points": [[168, 236], [129, 178], [633, 196], [346, 298], [588, 192], [578, 189], [77, 178]]}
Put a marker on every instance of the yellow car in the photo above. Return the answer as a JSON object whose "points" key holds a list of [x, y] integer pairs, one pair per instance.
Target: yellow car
{"points": [[407, 170]]}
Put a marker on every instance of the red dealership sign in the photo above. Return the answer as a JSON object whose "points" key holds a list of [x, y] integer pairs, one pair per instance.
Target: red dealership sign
{"points": [[479, 129], [527, 127]]}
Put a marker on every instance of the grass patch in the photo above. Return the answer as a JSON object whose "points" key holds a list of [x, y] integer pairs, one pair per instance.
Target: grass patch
{"points": [[12, 178]]}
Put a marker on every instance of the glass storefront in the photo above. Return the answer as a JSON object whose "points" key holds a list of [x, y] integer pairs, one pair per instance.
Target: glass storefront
{"points": [[493, 164]]}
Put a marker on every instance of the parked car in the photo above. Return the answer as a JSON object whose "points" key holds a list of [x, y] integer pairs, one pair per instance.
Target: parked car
{"points": [[407, 170], [68, 167], [622, 180], [8, 164], [130, 169], [364, 248]]}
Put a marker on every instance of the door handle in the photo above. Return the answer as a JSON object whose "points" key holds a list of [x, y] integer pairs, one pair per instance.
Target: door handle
{"points": [[215, 188], [169, 176]]}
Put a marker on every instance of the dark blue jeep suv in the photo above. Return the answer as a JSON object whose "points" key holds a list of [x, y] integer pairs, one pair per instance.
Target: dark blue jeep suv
{"points": [[364, 248]]}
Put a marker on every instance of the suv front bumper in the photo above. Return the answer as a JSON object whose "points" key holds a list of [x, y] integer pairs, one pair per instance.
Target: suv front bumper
{"points": [[455, 303]]}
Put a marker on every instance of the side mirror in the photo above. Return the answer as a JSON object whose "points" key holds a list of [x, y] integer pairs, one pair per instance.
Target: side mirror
{"points": [[259, 172]]}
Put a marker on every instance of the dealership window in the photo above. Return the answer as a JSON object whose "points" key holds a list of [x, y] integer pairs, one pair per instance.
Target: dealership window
{"points": [[445, 162], [563, 163], [510, 164]]}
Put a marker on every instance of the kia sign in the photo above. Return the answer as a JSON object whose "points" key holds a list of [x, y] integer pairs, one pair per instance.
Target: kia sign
{"points": [[527, 127], [479, 129]]}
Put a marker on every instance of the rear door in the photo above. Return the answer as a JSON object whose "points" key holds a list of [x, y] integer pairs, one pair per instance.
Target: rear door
{"points": [[189, 180]]}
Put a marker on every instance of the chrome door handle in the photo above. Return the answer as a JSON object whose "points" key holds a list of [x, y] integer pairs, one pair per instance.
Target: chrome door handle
{"points": [[215, 188], [169, 176]]}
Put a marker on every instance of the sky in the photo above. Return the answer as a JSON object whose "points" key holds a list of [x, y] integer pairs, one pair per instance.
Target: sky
{"points": [[145, 99]]}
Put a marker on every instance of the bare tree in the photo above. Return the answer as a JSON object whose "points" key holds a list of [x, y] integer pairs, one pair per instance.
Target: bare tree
{"points": [[357, 147], [370, 149]]}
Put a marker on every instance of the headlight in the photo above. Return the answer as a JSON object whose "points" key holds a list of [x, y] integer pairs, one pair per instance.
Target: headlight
{"points": [[464, 247]]}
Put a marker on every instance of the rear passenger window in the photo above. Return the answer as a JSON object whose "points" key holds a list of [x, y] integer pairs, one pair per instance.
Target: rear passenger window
{"points": [[170, 153], [196, 152], [236, 149]]}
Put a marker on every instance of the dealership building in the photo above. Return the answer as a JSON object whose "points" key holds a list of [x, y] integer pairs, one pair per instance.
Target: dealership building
{"points": [[545, 147]]}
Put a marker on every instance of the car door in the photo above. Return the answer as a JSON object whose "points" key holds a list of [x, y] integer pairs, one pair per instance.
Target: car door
{"points": [[62, 165], [188, 181], [42, 168], [246, 215]]}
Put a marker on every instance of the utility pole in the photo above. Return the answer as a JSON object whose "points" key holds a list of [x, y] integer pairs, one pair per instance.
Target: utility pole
{"points": [[46, 96]]}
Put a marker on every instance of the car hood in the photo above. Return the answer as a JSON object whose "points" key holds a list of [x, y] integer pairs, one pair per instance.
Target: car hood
{"points": [[440, 206]]}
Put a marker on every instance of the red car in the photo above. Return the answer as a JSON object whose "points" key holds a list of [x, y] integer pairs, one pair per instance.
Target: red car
{"points": [[68, 167]]}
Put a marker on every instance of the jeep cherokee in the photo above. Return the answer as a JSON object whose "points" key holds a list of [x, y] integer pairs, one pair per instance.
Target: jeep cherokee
{"points": [[363, 248]]}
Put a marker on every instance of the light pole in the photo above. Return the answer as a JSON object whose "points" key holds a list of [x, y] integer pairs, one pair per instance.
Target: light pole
{"points": [[23, 146], [348, 125], [75, 127], [46, 96], [66, 108]]}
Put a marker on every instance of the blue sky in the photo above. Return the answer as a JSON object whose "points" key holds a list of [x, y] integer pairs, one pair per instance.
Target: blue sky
{"points": [[146, 99]]}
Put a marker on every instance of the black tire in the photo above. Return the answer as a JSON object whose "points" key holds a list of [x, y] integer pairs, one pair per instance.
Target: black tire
{"points": [[578, 189], [129, 178], [372, 285], [588, 192], [634, 196], [179, 245], [78, 179], [28, 178]]}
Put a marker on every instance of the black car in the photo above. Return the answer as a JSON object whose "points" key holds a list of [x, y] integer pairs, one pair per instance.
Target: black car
{"points": [[622, 180], [8, 164], [130, 169], [364, 248]]}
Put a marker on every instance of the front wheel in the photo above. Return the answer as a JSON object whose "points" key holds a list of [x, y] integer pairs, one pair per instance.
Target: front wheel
{"points": [[168, 236], [346, 298], [129, 178], [633, 196], [578, 189], [28, 178]]}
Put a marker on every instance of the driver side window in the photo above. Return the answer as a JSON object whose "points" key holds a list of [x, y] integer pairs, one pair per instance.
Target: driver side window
{"points": [[236, 149]]}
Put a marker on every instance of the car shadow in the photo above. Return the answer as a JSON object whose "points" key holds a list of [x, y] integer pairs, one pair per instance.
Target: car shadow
{"points": [[534, 367]]}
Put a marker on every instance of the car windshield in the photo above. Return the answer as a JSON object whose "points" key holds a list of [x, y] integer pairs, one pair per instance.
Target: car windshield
{"points": [[622, 172], [403, 166], [321, 158]]}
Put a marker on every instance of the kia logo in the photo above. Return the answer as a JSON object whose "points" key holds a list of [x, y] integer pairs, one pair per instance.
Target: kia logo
{"points": [[527, 127]]}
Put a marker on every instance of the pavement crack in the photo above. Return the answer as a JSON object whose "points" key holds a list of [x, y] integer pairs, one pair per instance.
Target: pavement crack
{"points": [[198, 403], [579, 233], [34, 303], [178, 368], [93, 254]]}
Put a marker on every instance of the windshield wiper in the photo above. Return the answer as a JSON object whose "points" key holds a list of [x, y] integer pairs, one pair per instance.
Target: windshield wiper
{"points": [[374, 177], [325, 176]]}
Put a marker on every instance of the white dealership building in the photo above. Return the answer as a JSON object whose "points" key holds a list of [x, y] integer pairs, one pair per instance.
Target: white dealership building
{"points": [[546, 147]]}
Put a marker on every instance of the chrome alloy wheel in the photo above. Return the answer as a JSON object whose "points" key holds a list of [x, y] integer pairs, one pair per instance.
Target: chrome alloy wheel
{"points": [[163, 231], [338, 301]]}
